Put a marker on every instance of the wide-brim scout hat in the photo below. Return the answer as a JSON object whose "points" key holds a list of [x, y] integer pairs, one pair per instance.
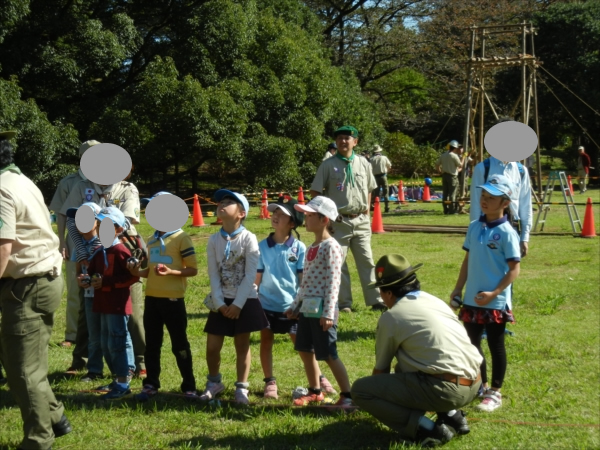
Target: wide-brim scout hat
{"points": [[86, 145], [377, 149], [239, 198], [347, 130], [392, 270], [7, 134], [286, 204]]}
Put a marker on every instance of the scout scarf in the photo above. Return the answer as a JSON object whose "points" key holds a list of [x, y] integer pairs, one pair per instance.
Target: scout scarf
{"points": [[229, 237], [103, 249], [157, 237], [349, 173], [104, 193], [12, 168]]}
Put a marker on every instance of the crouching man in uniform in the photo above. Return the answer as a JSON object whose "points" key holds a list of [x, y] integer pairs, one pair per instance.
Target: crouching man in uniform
{"points": [[30, 292], [437, 366]]}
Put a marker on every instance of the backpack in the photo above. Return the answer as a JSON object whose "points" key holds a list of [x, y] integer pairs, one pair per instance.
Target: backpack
{"points": [[486, 166]]}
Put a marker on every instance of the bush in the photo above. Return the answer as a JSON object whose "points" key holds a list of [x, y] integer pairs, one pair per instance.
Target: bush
{"points": [[408, 158]]}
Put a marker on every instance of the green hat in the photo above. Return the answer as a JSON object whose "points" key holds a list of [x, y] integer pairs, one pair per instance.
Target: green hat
{"points": [[7, 134], [347, 130], [392, 270]]}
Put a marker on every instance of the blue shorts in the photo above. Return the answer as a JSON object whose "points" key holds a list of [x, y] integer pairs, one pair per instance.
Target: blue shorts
{"points": [[311, 338], [280, 324]]}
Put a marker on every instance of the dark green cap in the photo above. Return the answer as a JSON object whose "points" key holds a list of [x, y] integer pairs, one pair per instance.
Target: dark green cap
{"points": [[347, 130], [7, 134]]}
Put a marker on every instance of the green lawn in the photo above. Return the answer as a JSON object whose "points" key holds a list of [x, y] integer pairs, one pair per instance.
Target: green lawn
{"points": [[551, 389]]}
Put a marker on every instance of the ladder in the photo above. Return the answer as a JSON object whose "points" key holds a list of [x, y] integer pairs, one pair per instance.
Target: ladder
{"points": [[559, 176]]}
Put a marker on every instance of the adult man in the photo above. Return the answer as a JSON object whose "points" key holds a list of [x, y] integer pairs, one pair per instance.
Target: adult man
{"points": [[520, 202], [380, 165], [348, 180], [30, 292], [449, 163], [437, 366], [66, 246], [331, 149], [583, 168], [125, 197]]}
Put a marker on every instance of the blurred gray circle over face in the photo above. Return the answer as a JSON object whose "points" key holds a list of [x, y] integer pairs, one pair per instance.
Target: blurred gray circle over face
{"points": [[167, 213], [84, 219], [510, 141], [106, 164], [107, 232]]}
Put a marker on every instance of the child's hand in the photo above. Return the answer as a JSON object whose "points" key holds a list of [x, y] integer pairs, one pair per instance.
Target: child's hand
{"points": [[233, 312], [289, 313], [224, 309], [483, 298], [83, 280], [96, 282], [162, 270], [455, 293], [326, 323], [131, 266]]}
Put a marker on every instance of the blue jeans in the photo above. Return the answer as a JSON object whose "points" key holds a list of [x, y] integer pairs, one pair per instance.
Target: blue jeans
{"points": [[116, 344], [94, 324]]}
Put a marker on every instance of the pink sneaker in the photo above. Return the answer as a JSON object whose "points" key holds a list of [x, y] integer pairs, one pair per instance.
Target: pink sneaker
{"points": [[311, 397], [271, 390], [326, 386]]}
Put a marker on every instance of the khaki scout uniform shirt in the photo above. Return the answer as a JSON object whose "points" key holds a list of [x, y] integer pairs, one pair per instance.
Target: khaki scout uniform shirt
{"points": [[65, 186], [450, 163], [380, 164], [423, 333], [331, 180], [122, 195], [24, 219]]}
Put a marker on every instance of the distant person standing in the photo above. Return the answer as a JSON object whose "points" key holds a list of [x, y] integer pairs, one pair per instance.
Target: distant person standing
{"points": [[30, 293], [348, 180], [583, 168], [331, 150], [380, 165], [450, 164]]}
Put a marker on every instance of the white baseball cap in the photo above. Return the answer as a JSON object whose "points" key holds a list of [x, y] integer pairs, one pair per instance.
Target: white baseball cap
{"points": [[321, 205]]}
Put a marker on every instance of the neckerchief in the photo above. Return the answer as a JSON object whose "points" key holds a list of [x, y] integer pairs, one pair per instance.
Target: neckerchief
{"points": [[157, 237], [349, 174], [11, 168], [104, 194], [229, 237], [83, 177]]}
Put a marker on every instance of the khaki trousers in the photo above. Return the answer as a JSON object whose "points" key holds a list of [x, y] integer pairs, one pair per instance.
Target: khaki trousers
{"points": [[28, 306], [400, 399], [355, 235]]}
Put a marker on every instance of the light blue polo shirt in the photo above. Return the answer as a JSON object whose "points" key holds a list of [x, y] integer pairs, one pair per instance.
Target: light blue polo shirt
{"points": [[490, 245], [280, 265]]}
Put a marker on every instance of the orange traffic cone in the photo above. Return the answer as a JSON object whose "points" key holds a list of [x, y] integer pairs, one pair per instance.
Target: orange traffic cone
{"points": [[264, 212], [589, 228], [426, 196], [401, 198], [301, 196], [377, 224], [218, 222], [198, 219], [570, 184]]}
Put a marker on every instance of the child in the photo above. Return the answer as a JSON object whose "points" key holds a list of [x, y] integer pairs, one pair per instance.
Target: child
{"points": [[318, 295], [172, 259], [111, 280], [491, 264], [86, 244], [235, 309], [279, 274]]}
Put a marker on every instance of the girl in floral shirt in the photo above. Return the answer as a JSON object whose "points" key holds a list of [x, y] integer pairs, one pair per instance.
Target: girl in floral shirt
{"points": [[317, 303]]}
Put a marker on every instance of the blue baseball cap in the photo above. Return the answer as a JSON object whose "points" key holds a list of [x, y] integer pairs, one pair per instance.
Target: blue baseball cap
{"points": [[144, 201], [241, 199], [72, 211], [499, 186], [113, 214]]}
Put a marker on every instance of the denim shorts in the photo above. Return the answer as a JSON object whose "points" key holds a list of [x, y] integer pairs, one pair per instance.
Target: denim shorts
{"points": [[311, 338], [280, 324]]}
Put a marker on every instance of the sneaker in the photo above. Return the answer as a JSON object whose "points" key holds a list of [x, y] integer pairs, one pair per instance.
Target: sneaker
{"points": [[326, 386], [140, 373], [91, 376], [271, 389], [311, 397], [457, 423], [432, 438], [211, 391], [482, 390], [492, 400], [148, 391], [191, 395], [344, 403], [107, 387], [66, 344], [116, 393], [346, 310], [241, 396]]}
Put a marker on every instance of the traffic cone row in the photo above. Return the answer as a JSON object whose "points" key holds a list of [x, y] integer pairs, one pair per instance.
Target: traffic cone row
{"points": [[589, 227]]}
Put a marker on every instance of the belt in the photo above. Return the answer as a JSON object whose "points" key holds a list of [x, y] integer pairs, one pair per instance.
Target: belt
{"points": [[351, 216], [455, 378]]}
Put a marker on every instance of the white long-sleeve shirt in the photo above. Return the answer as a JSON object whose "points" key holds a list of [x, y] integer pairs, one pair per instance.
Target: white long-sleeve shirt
{"points": [[233, 277], [520, 201]]}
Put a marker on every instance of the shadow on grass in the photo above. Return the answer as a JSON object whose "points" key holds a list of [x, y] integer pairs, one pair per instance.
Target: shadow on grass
{"points": [[342, 434], [350, 335]]}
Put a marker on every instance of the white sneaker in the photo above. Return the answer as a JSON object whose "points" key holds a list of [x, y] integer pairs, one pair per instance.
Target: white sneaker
{"points": [[492, 400], [241, 396], [211, 391]]}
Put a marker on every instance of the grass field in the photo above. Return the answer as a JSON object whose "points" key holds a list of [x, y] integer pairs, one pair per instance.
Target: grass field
{"points": [[551, 389]]}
